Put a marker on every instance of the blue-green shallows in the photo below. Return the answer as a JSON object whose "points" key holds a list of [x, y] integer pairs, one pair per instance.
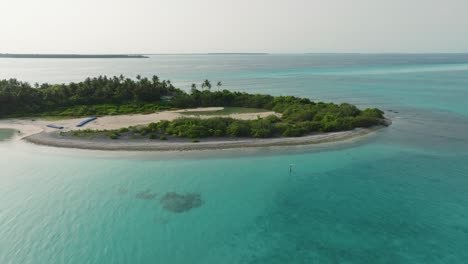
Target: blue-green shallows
{"points": [[400, 196], [6, 134]]}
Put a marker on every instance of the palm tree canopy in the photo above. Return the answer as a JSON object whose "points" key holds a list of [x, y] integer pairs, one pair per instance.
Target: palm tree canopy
{"points": [[155, 79], [206, 84]]}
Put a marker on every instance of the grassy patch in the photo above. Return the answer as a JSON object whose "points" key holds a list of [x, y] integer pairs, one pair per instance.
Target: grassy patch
{"points": [[103, 110], [227, 111], [56, 118], [114, 136]]}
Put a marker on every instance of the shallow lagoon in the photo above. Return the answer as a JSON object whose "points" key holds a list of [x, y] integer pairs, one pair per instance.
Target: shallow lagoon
{"points": [[399, 196], [6, 134]]}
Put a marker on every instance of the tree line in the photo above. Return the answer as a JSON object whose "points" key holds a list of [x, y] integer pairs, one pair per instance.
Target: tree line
{"points": [[94, 96], [20, 98]]}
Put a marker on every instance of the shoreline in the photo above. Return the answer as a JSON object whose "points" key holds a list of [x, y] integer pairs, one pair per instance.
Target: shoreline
{"points": [[52, 140], [37, 132]]}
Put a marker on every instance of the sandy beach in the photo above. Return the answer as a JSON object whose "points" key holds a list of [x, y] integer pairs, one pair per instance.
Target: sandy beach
{"points": [[53, 139], [36, 131], [31, 126]]}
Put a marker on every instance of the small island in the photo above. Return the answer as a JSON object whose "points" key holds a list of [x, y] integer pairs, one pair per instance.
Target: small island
{"points": [[71, 56], [150, 114]]}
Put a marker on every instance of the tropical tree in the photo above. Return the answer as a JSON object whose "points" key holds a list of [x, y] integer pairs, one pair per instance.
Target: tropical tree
{"points": [[155, 79], [206, 84], [193, 88], [219, 84]]}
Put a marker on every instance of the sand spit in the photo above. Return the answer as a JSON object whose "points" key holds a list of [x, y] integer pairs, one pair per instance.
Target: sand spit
{"points": [[55, 140], [37, 132]]}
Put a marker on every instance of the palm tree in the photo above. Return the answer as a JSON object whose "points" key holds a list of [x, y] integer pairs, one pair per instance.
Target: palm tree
{"points": [[219, 84], [155, 79], [194, 88], [206, 84], [138, 77]]}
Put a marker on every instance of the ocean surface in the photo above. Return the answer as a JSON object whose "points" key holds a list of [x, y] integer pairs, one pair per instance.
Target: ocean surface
{"points": [[398, 196]]}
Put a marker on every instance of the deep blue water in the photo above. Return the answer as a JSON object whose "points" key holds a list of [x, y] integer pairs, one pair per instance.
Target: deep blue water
{"points": [[399, 196]]}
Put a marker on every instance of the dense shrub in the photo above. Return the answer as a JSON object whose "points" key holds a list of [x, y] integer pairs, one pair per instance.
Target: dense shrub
{"points": [[293, 130], [239, 128], [366, 121], [114, 136]]}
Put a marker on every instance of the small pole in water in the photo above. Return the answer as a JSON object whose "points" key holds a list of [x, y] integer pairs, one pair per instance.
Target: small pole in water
{"points": [[290, 168]]}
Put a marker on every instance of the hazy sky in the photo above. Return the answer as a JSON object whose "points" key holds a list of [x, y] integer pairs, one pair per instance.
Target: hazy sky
{"points": [[193, 26]]}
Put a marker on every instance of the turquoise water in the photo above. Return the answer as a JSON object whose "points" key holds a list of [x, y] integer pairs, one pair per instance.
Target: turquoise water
{"points": [[400, 196], [6, 134]]}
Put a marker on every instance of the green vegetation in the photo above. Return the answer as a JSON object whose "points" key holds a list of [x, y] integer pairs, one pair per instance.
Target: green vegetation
{"points": [[271, 126], [118, 95], [105, 109], [114, 135], [94, 96]]}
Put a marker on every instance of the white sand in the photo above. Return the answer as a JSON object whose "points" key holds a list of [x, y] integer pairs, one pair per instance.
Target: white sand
{"points": [[116, 122], [52, 139], [28, 127]]}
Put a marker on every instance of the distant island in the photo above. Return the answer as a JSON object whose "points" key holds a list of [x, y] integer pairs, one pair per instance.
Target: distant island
{"points": [[150, 114], [237, 53], [204, 54], [71, 56]]}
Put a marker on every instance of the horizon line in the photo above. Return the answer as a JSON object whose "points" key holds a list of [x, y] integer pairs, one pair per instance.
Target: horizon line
{"points": [[238, 53]]}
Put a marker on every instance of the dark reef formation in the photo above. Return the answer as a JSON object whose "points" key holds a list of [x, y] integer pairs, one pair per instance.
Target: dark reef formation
{"points": [[179, 203]]}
